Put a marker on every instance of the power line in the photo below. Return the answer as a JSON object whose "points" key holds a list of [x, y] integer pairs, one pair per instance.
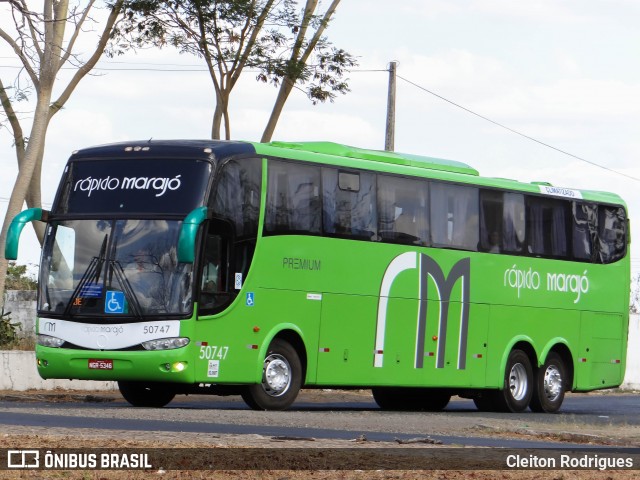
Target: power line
{"points": [[6, 200], [196, 68], [528, 137]]}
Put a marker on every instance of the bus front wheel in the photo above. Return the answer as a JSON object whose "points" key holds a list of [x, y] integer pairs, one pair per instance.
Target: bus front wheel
{"points": [[548, 393], [145, 394], [281, 379]]}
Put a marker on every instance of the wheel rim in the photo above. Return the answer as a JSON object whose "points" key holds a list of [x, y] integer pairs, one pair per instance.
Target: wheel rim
{"points": [[276, 377], [518, 382], [552, 383]]}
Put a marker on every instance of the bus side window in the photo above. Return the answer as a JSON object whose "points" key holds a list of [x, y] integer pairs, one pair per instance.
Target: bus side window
{"points": [[454, 216], [293, 199], [585, 231], [612, 233], [237, 195], [547, 227], [502, 224], [402, 210], [214, 280], [491, 207], [349, 204]]}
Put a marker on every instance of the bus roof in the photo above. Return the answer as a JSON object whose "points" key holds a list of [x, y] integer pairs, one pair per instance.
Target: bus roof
{"points": [[188, 149], [430, 167], [334, 154]]}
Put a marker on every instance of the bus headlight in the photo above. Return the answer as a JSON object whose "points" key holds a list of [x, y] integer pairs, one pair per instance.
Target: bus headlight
{"points": [[49, 341], [165, 343]]}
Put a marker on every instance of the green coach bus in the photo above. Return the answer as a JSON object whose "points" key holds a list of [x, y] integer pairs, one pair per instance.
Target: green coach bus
{"points": [[258, 269]]}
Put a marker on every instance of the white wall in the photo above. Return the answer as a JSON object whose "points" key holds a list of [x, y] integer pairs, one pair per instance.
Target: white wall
{"points": [[19, 373], [632, 376]]}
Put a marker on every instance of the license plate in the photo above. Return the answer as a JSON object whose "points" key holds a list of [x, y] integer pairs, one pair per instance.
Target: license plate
{"points": [[100, 364]]}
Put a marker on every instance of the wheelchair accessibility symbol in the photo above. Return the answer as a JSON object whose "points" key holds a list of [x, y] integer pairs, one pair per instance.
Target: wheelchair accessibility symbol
{"points": [[250, 299], [114, 302]]}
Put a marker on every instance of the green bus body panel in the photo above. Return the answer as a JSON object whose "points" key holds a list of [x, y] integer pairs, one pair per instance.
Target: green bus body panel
{"points": [[306, 285], [356, 306], [603, 336]]}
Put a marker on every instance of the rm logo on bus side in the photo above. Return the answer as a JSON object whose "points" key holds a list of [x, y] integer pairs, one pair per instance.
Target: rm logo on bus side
{"points": [[427, 268]]}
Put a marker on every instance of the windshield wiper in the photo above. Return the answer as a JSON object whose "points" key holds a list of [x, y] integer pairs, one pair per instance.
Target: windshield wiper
{"points": [[94, 269], [129, 292]]}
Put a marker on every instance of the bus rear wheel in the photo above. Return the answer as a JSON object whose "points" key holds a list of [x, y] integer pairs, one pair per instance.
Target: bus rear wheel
{"points": [[548, 393], [281, 379], [411, 399], [146, 394], [517, 388]]}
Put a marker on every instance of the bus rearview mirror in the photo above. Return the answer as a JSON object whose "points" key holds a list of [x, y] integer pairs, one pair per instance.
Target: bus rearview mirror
{"points": [[15, 229], [188, 234]]}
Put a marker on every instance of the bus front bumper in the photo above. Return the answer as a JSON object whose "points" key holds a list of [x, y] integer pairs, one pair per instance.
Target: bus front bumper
{"points": [[172, 366]]}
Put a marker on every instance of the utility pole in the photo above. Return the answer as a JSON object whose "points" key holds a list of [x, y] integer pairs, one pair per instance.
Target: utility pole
{"points": [[389, 139]]}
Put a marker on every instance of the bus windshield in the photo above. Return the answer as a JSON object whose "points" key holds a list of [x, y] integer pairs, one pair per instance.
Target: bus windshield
{"points": [[114, 268]]}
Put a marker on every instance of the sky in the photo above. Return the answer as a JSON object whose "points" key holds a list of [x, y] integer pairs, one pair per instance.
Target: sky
{"points": [[563, 72]]}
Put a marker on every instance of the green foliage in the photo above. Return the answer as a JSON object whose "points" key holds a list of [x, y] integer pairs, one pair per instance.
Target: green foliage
{"points": [[8, 330], [19, 279], [266, 35]]}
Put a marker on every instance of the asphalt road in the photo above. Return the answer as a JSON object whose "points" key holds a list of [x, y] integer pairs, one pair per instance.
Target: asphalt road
{"points": [[331, 415]]}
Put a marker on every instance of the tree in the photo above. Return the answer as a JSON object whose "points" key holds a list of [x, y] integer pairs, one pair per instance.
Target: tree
{"points": [[19, 279], [232, 35], [43, 45], [323, 77]]}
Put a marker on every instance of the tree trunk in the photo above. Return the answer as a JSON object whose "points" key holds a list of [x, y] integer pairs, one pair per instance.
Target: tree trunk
{"points": [[220, 114], [34, 194], [25, 175], [285, 89], [216, 123], [298, 56]]}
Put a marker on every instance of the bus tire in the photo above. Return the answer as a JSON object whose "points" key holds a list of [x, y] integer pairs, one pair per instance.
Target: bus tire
{"points": [[388, 398], [146, 394], [281, 379], [435, 399], [517, 389], [549, 386], [411, 399]]}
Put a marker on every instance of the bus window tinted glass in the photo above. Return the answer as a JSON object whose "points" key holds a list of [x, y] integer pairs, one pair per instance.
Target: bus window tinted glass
{"points": [[502, 225], [402, 210], [293, 199], [585, 230], [491, 221], [349, 181], [513, 234], [454, 216], [348, 213], [612, 233], [237, 195], [547, 227]]}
